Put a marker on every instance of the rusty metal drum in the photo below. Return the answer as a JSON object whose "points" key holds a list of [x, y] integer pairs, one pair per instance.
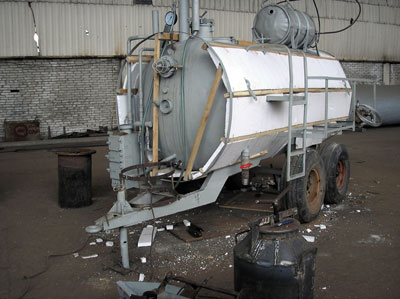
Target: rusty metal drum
{"points": [[75, 177]]}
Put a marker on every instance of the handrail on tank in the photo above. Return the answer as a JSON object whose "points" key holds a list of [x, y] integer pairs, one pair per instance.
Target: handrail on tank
{"points": [[353, 98]]}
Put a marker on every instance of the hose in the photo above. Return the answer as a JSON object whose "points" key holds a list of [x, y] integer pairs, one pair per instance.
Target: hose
{"points": [[368, 115], [130, 52], [183, 111]]}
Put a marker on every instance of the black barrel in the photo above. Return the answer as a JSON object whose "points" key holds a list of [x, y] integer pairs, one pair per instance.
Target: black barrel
{"points": [[274, 262], [75, 177]]}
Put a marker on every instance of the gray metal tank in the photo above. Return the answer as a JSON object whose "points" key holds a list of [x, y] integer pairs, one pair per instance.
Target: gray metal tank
{"points": [[282, 24], [387, 101], [199, 72]]}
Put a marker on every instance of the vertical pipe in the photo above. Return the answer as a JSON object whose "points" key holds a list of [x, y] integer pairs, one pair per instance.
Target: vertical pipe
{"points": [[290, 117], [195, 16], [354, 104], [129, 95], [326, 108], [374, 95], [156, 26], [123, 237], [183, 20]]}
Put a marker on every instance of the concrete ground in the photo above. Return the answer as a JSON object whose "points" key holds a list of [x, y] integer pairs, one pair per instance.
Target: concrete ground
{"points": [[358, 253]]}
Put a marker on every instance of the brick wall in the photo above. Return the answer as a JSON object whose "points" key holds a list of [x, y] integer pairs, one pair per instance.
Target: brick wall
{"points": [[365, 70], [78, 94], [395, 74], [371, 70]]}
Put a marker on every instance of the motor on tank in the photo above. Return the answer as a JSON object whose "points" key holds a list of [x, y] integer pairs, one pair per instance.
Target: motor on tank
{"points": [[283, 24]]}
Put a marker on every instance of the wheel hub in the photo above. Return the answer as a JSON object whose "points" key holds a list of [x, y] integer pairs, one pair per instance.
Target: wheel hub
{"points": [[313, 188], [340, 174]]}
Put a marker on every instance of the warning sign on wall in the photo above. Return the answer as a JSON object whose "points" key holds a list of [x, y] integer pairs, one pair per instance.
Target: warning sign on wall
{"points": [[22, 131]]}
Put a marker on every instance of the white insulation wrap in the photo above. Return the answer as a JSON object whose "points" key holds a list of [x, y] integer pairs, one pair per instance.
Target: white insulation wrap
{"points": [[271, 70], [256, 124]]}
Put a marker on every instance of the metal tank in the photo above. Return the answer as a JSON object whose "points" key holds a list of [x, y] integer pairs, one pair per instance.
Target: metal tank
{"points": [[386, 104], [196, 81], [204, 109], [282, 24]]}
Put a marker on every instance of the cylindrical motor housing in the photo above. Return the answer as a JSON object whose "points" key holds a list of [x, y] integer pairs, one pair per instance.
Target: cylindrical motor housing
{"points": [[282, 24]]}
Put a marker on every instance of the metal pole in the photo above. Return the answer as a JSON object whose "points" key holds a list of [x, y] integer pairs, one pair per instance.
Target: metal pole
{"points": [[123, 237], [374, 95], [195, 15], [354, 104], [129, 95], [141, 106], [183, 20], [326, 108], [156, 26]]}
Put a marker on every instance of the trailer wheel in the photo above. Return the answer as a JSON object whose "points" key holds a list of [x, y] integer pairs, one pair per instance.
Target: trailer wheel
{"points": [[307, 193], [337, 166]]}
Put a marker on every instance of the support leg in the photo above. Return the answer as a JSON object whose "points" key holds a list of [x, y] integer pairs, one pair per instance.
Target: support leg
{"points": [[123, 237]]}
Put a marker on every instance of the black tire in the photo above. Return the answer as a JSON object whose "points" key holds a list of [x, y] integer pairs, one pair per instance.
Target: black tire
{"points": [[337, 165], [307, 193]]}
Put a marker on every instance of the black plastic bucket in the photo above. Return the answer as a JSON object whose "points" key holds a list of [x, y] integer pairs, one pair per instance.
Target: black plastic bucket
{"points": [[75, 177]]}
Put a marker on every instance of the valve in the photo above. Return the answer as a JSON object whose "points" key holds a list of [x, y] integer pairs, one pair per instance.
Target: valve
{"points": [[245, 167]]}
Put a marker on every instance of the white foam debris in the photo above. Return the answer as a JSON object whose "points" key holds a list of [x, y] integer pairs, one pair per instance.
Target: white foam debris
{"points": [[109, 243], [186, 222], [169, 227], [141, 277], [143, 260], [308, 230], [160, 229], [322, 226], [99, 240], [310, 239], [92, 243], [76, 254], [324, 288], [146, 238], [90, 256], [227, 237], [358, 211]]}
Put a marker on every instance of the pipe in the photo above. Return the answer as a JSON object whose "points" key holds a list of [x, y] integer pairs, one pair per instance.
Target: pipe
{"points": [[195, 16], [156, 25], [141, 112], [123, 237], [183, 20]]}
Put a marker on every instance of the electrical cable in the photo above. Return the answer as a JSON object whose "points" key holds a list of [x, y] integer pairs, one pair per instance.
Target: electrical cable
{"points": [[319, 28], [352, 22], [47, 266]]}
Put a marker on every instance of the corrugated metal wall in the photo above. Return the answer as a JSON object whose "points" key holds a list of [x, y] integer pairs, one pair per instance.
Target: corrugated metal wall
{"points": [[101, 27]]}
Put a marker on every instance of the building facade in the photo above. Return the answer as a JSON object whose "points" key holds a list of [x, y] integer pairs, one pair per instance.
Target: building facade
{"points": [[60, 59]]}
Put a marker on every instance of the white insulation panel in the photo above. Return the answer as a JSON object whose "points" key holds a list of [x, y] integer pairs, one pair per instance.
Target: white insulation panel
{"points": [[271, 70], [255, 121], [251, 117]]}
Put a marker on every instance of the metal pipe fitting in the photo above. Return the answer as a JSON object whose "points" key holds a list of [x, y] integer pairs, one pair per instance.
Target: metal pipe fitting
{"points": [[123, 238], [156, 25], [183, 20], [195, 15]]}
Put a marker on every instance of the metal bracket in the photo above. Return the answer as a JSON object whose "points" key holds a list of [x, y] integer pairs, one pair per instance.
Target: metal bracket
{"points": [[251, 92]]}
